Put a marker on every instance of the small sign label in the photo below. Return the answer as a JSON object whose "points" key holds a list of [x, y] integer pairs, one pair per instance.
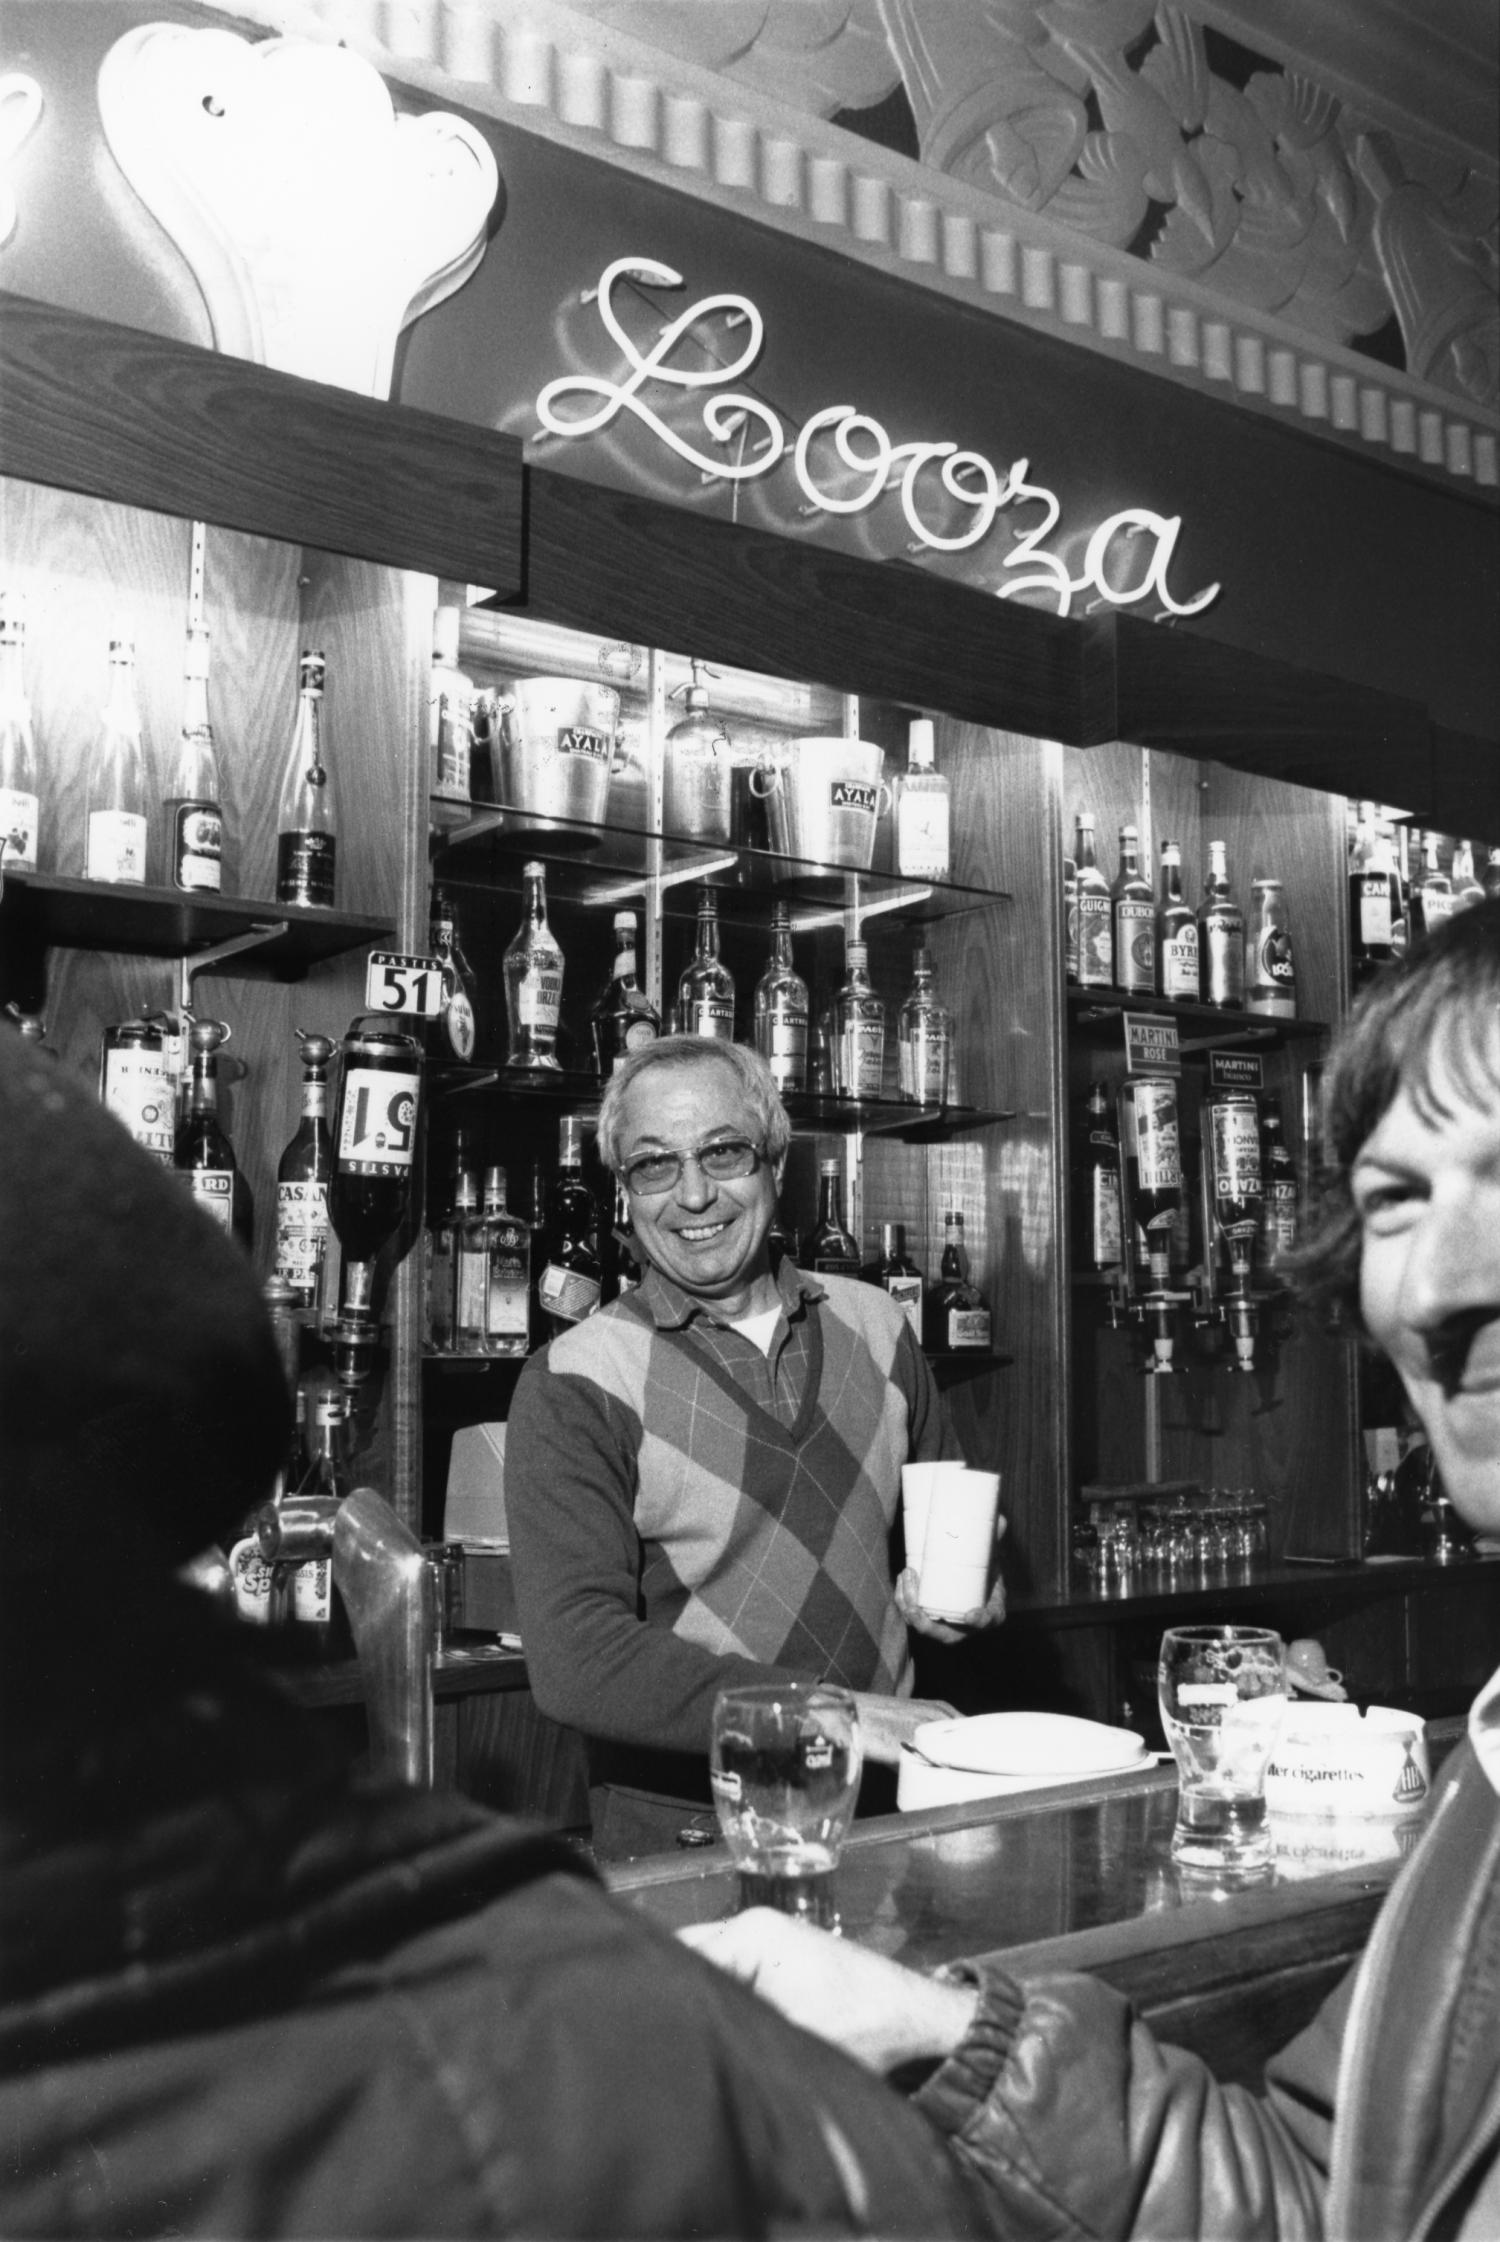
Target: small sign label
{"points": [[852, 794], [396, 983], [1235, 1070], [1151, 1045]]}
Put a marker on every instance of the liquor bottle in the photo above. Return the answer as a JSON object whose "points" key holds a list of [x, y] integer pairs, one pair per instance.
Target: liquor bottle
{"points": [[1095, 912], [1270, 967], [923, 810], [829, 1248], [781, 1239], [303, 1174], [781, 1009], [1176, 933], [1374, 899], [1467, 890], [1492, 874], [20, 805], [374, 1144], [1132, 921], [440, 1262], [450, 713], [924, 1039], [898, 1275], [194, 805], [533, 968], [1231, 1135], [698, 768], [115, 830], [1097, 1176], [956, 1317], [137, 1086], [569, 1279], [202, 1153], [1221, 937], [1279, 1192], [617, 1248], [819, 1057], [1070, 920], [1430, 900], [471, 1268], [624, 1018], [858, 1030], [507, 1309], [1151, 1159], [454, 1032], [306, 823], [705, 988], [304, 1600]]}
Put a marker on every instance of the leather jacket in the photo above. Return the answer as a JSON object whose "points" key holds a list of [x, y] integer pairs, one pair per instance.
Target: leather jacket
{"points": [[1381, 2119]]}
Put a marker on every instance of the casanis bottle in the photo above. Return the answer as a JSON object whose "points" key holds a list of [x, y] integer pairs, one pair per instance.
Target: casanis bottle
{"points": [[115, 820], [1095, 914], [303, 1174], [194, 806], [829, 1248], [782, 1008], [705, 989], [1151, 1157], [1221, 937], [20, 805], [533, 968], [306, 821], [1176, 933]]}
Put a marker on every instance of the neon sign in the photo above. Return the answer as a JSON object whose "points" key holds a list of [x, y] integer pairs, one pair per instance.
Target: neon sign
{"points": [[844, 460]]}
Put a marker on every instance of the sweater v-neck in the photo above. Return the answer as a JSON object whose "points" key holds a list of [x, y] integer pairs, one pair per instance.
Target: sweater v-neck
{"points": [[792, 1435]]}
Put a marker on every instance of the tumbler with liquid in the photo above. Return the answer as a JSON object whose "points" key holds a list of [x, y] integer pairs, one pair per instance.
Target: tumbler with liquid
{"points": [[785, 1764]]}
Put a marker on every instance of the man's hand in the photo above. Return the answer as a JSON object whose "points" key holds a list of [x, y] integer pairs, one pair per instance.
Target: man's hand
{"points": [[874, 2009], [988, 1614], [886, 1723]]}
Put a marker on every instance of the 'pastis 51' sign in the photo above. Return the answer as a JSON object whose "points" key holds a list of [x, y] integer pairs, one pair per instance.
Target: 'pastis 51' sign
{"points": [[844, 460]]}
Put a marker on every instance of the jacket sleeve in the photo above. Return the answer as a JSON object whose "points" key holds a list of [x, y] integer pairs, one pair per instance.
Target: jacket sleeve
{"points": [[1079, 2122], [593, 1660]]}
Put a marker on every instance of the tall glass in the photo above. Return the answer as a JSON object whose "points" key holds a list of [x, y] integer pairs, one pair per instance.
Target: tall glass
{"points": [[785, 1765], [1223, 1695]]}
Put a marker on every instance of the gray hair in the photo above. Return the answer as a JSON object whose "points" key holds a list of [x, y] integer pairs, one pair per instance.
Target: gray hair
{"points": [[755, 1080]]}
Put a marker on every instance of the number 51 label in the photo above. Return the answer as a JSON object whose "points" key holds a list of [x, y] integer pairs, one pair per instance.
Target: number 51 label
{"points": [[398, 984]]}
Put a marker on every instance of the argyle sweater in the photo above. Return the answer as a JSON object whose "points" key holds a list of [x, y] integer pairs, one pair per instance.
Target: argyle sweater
{"points": [[671, 1536]]}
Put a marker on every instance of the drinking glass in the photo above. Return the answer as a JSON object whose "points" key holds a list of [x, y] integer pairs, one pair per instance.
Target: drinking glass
{"points": [[1223, 1694], [785, 1763]]}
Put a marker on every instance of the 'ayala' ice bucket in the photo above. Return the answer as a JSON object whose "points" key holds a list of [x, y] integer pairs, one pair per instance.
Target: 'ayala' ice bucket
{"points": [[556, 745], [824, 798]]}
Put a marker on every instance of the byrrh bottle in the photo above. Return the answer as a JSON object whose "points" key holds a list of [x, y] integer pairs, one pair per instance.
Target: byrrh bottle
{"points": [[782, 1008], [115, 827], [454, 1033], [1097, 1179], [533, 968], [1221, 936], [899, 1276], [1095, 912], [303, 1174], [705, 989], [924, 1039], [1133, 921], [957, 1316], [859, 1030], [569, 1278], [923, 810], [829, 1248], [202, 1154], [624, 1018], [194, 806], [1176, 933], [306, 822], [20, 805]]}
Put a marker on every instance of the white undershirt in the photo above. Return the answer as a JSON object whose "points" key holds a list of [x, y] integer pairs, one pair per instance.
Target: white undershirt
{"points": [[760, 1329]]}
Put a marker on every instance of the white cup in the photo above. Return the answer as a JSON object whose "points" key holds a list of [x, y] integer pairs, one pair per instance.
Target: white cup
{"points": [[917, 1482], [959, 1542]]}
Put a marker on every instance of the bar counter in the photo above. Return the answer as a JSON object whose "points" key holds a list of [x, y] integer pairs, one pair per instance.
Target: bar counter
{"points": [[1081, 1877]]}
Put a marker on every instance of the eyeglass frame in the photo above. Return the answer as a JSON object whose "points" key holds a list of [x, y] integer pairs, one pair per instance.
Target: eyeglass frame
{"points": [[683, 1154]]}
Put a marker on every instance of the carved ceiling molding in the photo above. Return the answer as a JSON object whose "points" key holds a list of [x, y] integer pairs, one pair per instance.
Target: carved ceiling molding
{"points": [[585, 82]]}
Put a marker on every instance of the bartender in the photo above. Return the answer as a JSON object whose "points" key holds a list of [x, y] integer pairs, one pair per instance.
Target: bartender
{"points": [[702, 1480]]}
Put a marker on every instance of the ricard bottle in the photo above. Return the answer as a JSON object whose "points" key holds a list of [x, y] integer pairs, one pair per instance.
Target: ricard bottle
{"points": [[924, 1038], [201, 1153], [195, 809], [303, 1174], [1270, 967], [1133, 921], [859, 1030], [20, 805], [115, 818], [624, 1018], [306, 823], [829, 1248], [533, 968], [1176, 933], [782, 1008], [923, 810], [705, 988], [1095, 911], [1221, 937]]}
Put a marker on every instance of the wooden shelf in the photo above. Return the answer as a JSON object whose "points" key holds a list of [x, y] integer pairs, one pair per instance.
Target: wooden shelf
{"points": [[46, 909]]}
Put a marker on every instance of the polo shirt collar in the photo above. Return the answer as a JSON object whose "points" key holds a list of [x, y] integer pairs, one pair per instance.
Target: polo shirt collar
{"points": [[671, 1308]]}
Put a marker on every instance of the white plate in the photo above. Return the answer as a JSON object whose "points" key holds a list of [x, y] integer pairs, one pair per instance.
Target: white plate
{"points": [[1041, 1746]]}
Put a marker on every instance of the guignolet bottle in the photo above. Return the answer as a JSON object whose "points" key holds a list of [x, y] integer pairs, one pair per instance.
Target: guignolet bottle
{"points": [[195, 811], [115, 831], [306, 823], [20, 806]]}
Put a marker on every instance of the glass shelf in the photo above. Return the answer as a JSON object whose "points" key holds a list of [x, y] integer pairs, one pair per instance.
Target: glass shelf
{"points": [[1094, 1015], [161, 922], [809, 1115], [601, 867]]}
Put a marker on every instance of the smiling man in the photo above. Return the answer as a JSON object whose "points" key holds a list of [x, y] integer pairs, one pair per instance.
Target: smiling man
{"points": [[702, 1481]]}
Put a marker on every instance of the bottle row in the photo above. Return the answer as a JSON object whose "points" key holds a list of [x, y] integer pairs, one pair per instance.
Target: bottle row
{"points": [[142, 816], [499, 1283], [839, 1052], [1122, 935], [1392, 903]]}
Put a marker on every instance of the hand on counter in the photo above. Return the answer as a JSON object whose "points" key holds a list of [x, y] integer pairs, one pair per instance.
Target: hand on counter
{"points": [[886, 1723], [876, 2010], [988, 1614]]}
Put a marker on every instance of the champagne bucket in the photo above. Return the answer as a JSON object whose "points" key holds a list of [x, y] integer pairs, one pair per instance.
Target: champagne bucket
{"points": [[556, 741], [824, 798]]}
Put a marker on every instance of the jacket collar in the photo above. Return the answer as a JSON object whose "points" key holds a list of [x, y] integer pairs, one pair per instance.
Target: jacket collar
{"points": [[671, 1308]]}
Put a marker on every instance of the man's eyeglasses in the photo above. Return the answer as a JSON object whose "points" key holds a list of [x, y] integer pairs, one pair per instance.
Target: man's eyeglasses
{"points": [[723, 1160]]}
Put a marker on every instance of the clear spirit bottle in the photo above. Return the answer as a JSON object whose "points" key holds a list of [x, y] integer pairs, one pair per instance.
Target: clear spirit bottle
{"points": [[195, 810], [924, 1038], [1431, 891], [533, 968], [306, 822], [858, 1030], [115, 829], [698, 770], [20, 804], [923, 810], [1466, 888], [705, 990], [782, 1008], [471, 1269], [507, 1312], [624, 1019]]}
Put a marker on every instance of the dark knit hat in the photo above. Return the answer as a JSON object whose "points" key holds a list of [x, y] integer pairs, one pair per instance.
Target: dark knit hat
{"points": [[142, 1407]]}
